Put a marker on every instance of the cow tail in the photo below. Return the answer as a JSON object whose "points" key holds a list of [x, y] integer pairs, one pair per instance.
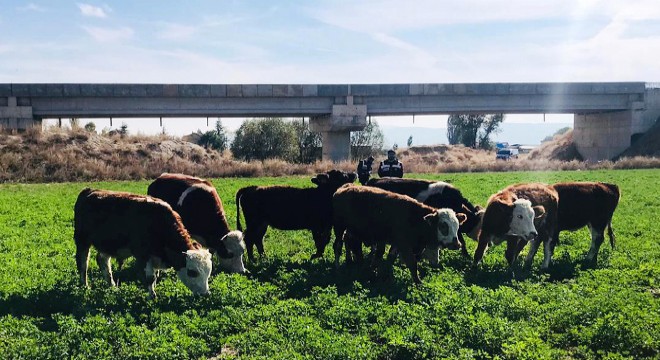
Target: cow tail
{"points": [[610, 233], [239, 194]]}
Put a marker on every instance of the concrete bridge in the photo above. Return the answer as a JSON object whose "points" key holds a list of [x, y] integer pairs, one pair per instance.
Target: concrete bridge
{"points": [[607, 115]]}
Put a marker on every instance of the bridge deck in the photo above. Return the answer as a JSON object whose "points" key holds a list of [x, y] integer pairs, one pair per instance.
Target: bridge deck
{"points": [[189, 100]]}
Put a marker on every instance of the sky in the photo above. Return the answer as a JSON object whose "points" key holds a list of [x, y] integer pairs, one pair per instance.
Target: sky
{"points": [[329, 42]]}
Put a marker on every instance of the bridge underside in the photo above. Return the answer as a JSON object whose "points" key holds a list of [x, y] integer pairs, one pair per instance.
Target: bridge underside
{"points": [[607, 115]]}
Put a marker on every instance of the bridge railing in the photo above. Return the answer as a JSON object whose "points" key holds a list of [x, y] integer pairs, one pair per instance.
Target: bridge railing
{"points": [[653, 85]]}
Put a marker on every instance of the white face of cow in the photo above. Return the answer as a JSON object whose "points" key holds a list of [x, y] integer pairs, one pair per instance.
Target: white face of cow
{"points": [[446, 227], [235, 246], [197, 271], [522, 222]]}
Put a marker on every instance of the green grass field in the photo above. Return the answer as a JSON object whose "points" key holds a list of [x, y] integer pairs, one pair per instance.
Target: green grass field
{"points": [[291, 308]]}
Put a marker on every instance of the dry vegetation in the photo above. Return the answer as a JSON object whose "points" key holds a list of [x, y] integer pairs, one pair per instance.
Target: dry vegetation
{"points": [[59, 155]]}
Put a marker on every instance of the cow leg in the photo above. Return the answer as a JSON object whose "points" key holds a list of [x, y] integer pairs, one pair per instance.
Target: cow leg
{"points": [[511, 253], [82, 260], [392, 254], [342, 238], [597, 238], [408, 258], [464, 251], [321, 240], [103, 261], [254, 236], [150, 277], [353, 247], [533, 248], [337, 245], [481, 249]]}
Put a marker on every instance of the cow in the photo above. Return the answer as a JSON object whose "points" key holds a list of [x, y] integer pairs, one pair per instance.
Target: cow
{"points": [[120, 225], [200, 208], [437, 194], [589, 204], [290, 208], [518, 214], [375, 217]]}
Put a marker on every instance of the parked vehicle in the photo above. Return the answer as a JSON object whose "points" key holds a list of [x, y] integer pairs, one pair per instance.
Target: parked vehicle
{"points": [[506, 154]]}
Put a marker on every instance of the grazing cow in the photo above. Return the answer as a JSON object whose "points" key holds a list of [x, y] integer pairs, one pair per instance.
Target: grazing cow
{"points": [[289, 208], [438, 195], [121, 225], [515, 214], [375, 217], [200, 207], [589, 204]]}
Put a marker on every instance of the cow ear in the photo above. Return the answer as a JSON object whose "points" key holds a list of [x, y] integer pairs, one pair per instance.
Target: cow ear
{"points": [[461, 218], [539, 211]]}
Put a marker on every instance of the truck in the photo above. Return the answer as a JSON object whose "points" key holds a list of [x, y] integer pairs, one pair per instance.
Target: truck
{"points": [[506, 154]]}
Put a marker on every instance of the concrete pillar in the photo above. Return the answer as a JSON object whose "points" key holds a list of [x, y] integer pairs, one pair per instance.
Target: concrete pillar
{"points": [[336, 145], [602, 136], [336, 129], [14, 117]]}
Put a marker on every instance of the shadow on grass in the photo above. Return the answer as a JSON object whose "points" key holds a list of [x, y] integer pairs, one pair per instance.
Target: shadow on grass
{"points": [[298, 279], [492, 277]]}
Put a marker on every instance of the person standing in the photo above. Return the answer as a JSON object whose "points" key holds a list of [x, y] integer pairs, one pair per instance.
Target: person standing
{"points": [[364, 169], [391, 167]]}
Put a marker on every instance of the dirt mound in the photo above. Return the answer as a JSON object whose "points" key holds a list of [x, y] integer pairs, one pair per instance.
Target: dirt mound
{"points": [[561, 148], [647, 145]]}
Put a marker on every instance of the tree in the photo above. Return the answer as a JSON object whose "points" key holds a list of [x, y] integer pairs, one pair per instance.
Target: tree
{"points": [[75, 123], [267, 138], [90, 127], [410, 140], [490, 126], [366, 141], [214, 139], [465, 129], [123, 130], [308, 142]]}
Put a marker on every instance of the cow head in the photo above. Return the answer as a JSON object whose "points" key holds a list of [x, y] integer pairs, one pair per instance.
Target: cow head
{"points": [[195, 275], [522, 219], [445, 223], [233, 261], [334, 179]]}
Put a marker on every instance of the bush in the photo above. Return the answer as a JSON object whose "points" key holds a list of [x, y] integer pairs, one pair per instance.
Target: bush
{"points": [[90, 127], [261, 139]]}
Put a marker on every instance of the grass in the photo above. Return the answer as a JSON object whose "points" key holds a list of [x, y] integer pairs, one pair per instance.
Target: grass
{"points": [[293, 308]]}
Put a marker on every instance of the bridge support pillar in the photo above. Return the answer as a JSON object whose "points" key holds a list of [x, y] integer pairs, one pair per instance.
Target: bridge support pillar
{"points": [[604, 135], [16, 118], [336, 129]]}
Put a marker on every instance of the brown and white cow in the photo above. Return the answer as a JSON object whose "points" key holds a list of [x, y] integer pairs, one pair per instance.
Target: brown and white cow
{"points": [[120, 225], [519, 214], [290, 208], [377, 217], [437, 194], [200, 208], [589, 204]]}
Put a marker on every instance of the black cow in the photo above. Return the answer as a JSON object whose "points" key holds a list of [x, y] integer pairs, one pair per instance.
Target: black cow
{"points": [[290, 208]]}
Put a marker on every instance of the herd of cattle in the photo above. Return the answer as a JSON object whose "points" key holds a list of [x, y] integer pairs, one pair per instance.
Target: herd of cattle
{"points": [[181, 222]]}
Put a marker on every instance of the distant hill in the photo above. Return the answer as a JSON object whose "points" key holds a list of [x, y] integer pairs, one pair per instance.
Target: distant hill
{"points": [[513, 133]]}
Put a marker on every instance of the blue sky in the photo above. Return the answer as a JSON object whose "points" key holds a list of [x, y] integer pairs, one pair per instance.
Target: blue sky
{"points": [[330, 41]]}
